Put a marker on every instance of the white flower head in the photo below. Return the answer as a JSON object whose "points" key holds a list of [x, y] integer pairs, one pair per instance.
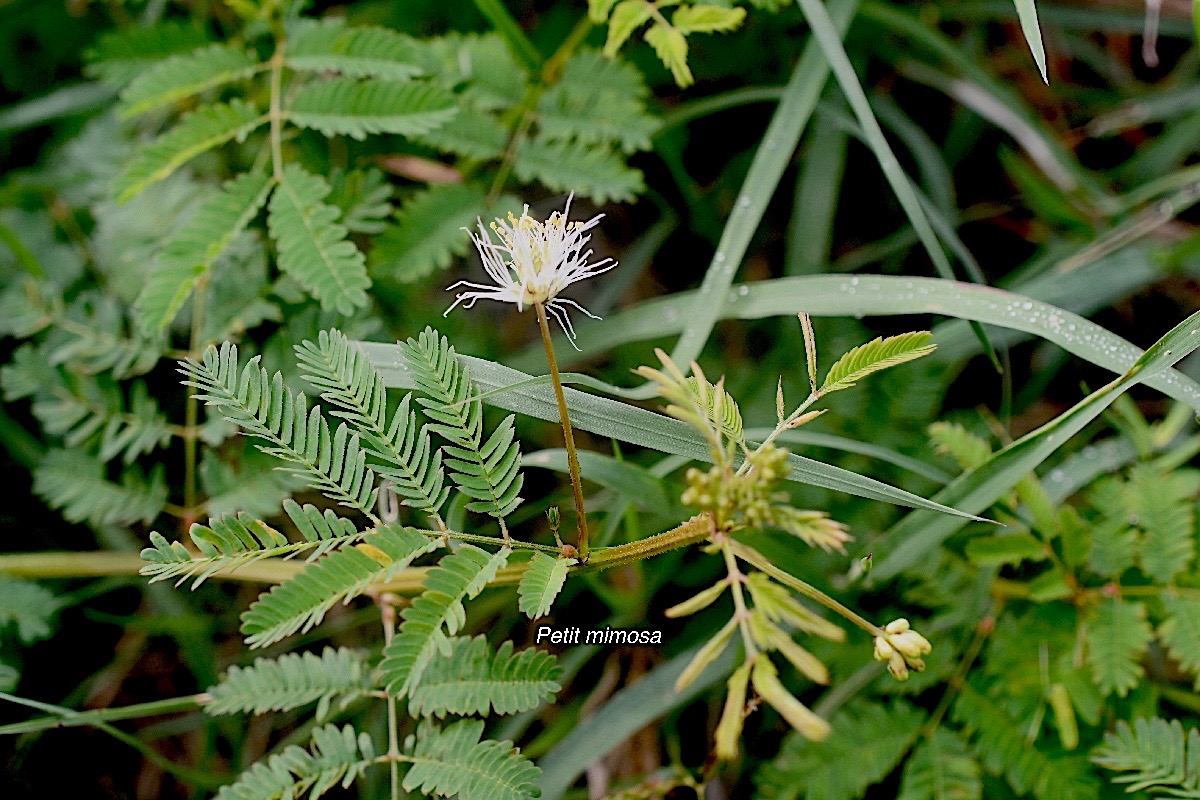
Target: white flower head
{"points": [[534, 262]]}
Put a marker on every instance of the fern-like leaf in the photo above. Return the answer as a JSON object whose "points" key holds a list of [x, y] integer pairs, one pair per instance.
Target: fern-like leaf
{"points": [[1156, 755], [201, 130], [356, 108], [722, 409], [427, 232], [364, 197], [191, 251], [471, 679], [1003, 749], [541, 583], [83, 411], [328, 45], [75, 483], [437, 613], [262, 406], [29, 609], [313, 247], [228, 543], [1181, 632], [119, 56], [302, 602], [249, 482], [1163, 505], [402, 451], [941, 768], [487, 472], [875, 355], [471, 133], [182, 76], [453, 762], [597, 100], [290, 681], [571, 167], [1117, 637], [865, 745], [965, 447], [337, 756]]}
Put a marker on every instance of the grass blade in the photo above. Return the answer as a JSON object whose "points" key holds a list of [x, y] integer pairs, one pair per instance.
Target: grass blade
{"points": [[831, 43], [1027, 14], [878, 295], [628, 423]]}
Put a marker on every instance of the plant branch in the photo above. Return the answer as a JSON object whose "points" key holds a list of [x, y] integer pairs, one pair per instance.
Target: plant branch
{"points": [[408, 583]]}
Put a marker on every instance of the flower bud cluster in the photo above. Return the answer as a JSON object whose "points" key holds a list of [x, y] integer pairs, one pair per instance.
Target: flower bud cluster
{"points": [[901, 648], [739, 500]]}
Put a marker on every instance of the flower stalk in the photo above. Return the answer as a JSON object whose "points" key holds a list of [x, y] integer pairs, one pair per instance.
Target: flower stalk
{"points": [[581, 540]]}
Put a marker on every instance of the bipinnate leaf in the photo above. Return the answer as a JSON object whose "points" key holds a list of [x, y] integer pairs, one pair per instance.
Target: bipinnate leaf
{"points": [[877, 354], [1155, 755], [230, 542], [436, 614], [28, 607], [627, 17], [472, 679], [401, 449], [1163, 505], [290, 681], [427, 232], [1181, 632], [541, 583], [300, 603], [346, 106], [670, 45], [75, 483], [707, 18], [199, 131], [1117, 637], [260, 404], [361, 51], [453, 762], [941, 768], [865, 742], [597, 100], [337, 756], [1002, 746], [191, 250], [574, 167], [121, 54], [488, 472], [182, 76], [312, 244]]}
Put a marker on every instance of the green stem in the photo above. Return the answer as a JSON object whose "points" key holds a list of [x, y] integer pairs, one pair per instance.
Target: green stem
{"points": [[568, 436], [200, 778], [78, 718], [96, 564], [388, 612]]}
